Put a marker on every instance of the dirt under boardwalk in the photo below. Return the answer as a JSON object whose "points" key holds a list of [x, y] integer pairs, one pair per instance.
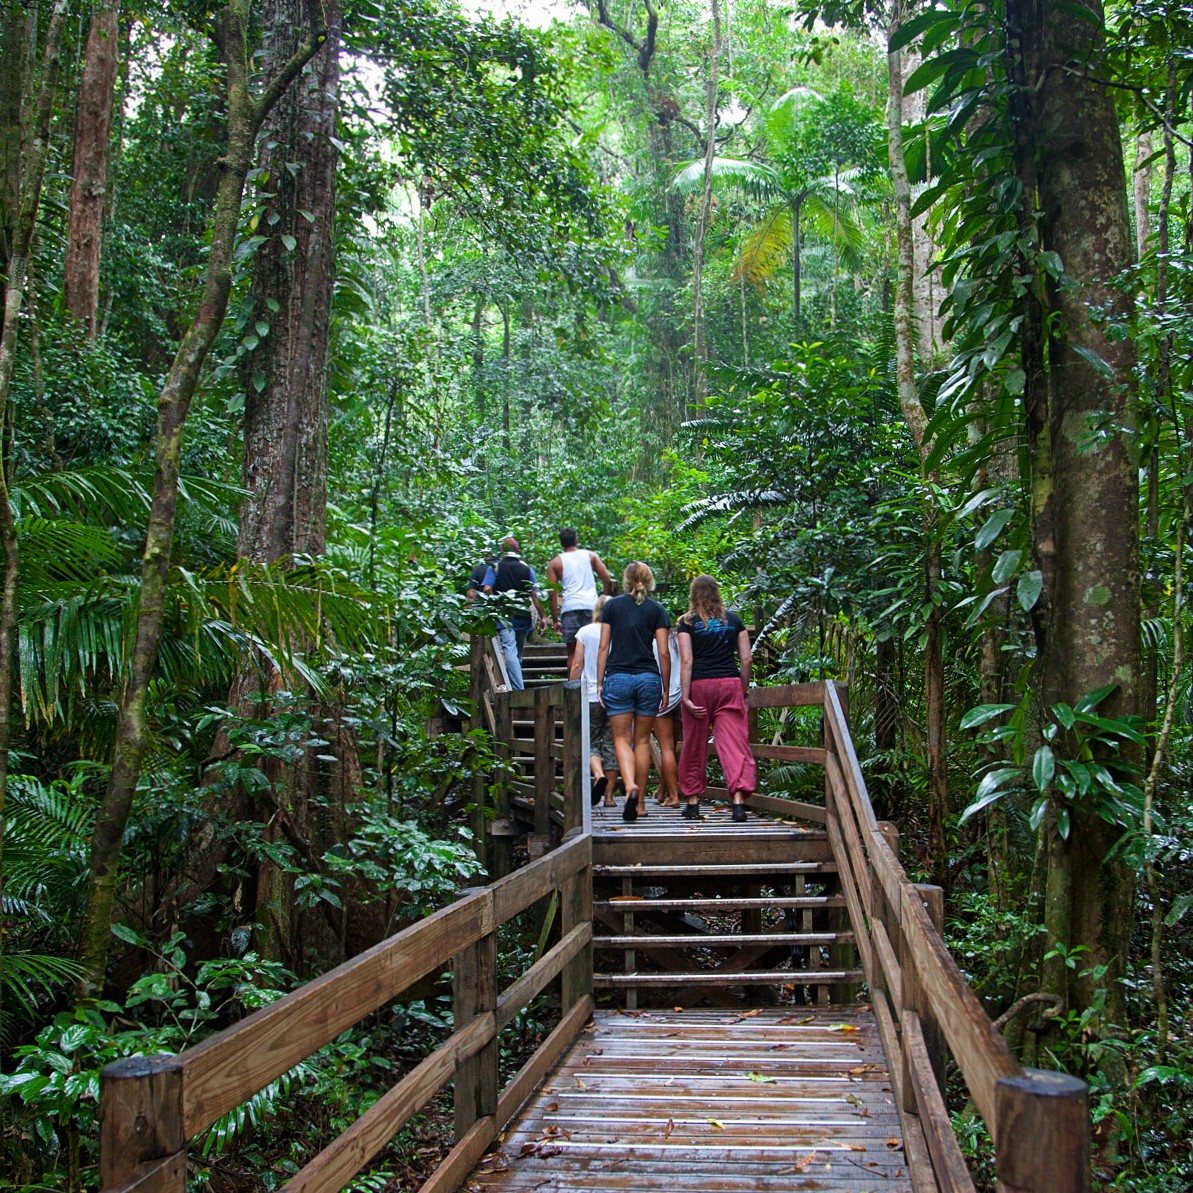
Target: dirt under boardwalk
{"points": [[711, 1101]]}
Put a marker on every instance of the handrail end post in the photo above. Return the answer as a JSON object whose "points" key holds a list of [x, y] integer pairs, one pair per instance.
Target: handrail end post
{"points": [[141, 1122], [1042, 1143]]}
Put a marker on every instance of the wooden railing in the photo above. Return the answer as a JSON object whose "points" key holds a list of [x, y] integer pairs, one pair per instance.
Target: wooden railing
{"points": [[549, 808], [153, 1106], [925, 1008]]}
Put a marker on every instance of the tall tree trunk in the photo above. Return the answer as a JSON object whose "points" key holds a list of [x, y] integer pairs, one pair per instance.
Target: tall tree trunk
{"points": [[917, 422], [796, 204], [710, 149], [284, 470], [31, 102], [1142, 192], [89, 172], [1093, 634], [245, 115], [284, 467]]}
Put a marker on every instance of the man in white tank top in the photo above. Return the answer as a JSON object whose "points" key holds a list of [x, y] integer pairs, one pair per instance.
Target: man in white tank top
{"points": [[572, 575]]}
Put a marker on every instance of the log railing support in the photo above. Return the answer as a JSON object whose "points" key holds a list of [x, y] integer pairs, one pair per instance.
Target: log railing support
{"points": [[477, 818], [143, 1142], [544, 770], [1043, 1134], [576, 908], [573, 763], [474, 993]]}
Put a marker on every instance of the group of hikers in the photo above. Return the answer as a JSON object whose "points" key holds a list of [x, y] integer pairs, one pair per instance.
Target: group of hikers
{"points": [[640, 672]]}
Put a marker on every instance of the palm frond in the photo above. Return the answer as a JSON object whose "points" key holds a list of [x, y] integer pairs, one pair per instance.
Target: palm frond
{"points": [[751, 178], [835, 224], [54, 549], [766, 248], [116, 492], [23, 975], [782, 116], [731, 503]]}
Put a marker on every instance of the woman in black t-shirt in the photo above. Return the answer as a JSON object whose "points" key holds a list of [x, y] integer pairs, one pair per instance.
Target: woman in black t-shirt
{"points": [[632, 688], [714, 661]]}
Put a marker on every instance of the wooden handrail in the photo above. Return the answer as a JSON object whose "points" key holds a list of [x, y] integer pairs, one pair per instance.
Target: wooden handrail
{"points": [[923, 1004], [151, 1107]]}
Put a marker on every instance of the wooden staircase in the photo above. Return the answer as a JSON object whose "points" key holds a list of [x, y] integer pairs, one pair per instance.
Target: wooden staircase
{"points": [[718, 915]]}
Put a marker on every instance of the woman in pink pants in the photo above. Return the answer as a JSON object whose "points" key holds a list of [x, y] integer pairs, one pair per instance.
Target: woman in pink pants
{"points": [[714, 661]]}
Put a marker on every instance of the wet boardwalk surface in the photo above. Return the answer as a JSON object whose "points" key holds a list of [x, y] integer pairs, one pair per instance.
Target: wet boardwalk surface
{"points": [[710, 1101]]}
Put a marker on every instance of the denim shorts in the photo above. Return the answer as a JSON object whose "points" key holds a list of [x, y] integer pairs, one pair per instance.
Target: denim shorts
{"points": [[640, 693]]}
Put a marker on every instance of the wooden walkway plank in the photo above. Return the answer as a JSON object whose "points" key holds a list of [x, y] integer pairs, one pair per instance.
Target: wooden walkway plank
{"points": [[781, 1098]]}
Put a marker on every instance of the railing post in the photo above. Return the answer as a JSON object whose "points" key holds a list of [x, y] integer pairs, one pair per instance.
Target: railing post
{"points": [[500, 851], [576, 908], [141, 1124], [544, 771], [480, 823], [573, 763], [914, 1000], [474, 993], [1042, 1143]]}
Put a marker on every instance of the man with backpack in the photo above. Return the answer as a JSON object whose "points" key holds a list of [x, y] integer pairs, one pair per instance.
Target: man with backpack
{"points": [[513, 579]]}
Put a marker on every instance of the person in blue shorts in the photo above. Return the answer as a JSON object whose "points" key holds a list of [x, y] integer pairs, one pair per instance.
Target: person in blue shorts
{"points": [[632, 679]]}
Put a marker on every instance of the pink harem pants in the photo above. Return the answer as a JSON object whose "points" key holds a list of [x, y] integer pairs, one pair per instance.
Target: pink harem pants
{"points": [[725, 714]]}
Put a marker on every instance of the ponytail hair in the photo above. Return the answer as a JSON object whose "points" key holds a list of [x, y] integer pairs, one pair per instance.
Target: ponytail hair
{"points": [[704, 601], [599, 607], [638, 580]]}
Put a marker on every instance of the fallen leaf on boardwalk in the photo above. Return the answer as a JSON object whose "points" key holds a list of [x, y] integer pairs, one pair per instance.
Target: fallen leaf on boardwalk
{"points": [[579, 1083], [494, 1162], [802, 1166], [853, 1100], [552, 1107], [864, 1112], [761, 1078], [843, 1027], [742, 1017], [894, 1143], [628, 899], [678, 1010], [669, 1128], [860, 1069], [714, 1122], [544, 1150], [855, 1147], [798, 1022]]}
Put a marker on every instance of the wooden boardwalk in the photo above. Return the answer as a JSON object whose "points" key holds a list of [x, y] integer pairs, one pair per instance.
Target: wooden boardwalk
{"points": [[707, 975], [710, 1101]]}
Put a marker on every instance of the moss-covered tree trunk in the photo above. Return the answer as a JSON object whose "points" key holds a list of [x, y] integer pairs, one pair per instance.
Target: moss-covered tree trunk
{"points": [[245, 114], [1086, 503], [284, 467]]}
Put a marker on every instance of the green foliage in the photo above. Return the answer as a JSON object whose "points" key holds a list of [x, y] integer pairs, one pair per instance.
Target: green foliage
{"points": [[1081, 763]]}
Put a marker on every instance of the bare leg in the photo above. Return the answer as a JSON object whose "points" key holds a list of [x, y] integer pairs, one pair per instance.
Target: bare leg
{"points": [[641, 772], [664, 731], [622, 725]]}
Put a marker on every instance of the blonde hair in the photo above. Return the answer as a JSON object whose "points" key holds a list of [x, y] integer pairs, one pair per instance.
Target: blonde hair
{"points": [[704, 601], [638, 580], [599, 607]]}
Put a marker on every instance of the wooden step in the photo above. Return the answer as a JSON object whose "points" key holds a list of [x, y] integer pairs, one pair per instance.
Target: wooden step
{"points": [[712, 977], [645, 903], [717, 941], [745, 870]]}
